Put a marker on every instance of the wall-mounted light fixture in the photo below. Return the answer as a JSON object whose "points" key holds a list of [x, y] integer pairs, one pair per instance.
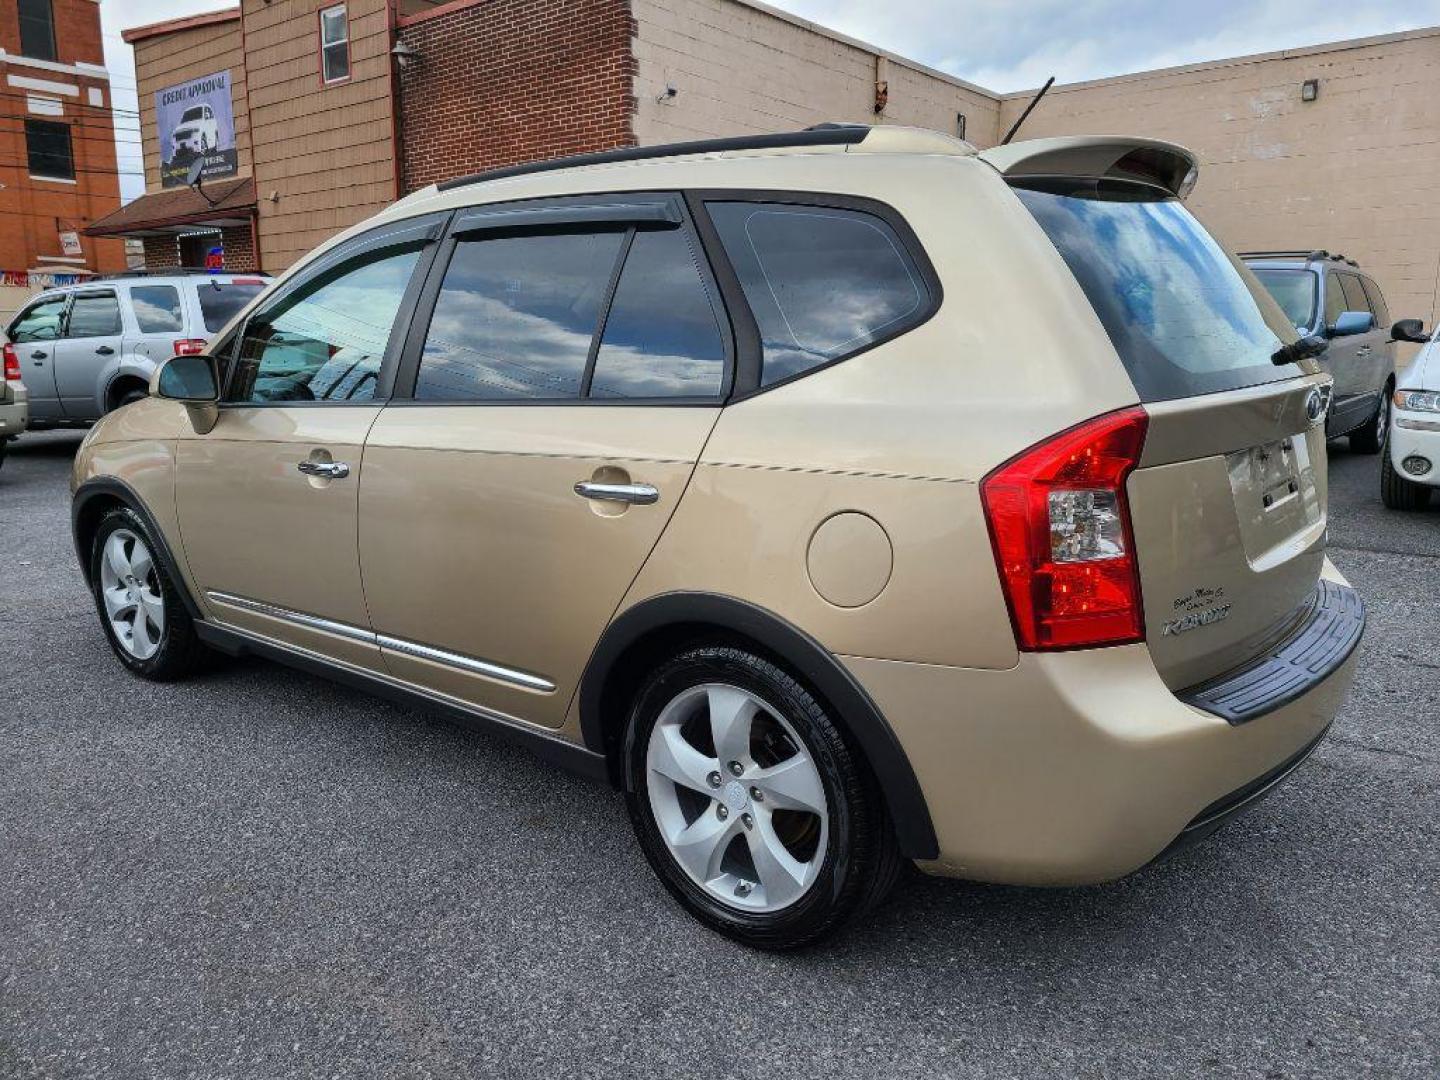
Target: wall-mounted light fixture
{"points": [[1309, 89], [667, 95], [404, 55]]}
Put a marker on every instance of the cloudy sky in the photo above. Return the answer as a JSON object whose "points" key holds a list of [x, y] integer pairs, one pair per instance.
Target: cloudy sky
{"points": [[1000, 44]]}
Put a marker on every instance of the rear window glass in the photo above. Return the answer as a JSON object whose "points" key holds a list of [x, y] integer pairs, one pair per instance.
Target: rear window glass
{"points": [[1294, 291], [823, 282], [157, 308], [219, 303], [1180, 314]]}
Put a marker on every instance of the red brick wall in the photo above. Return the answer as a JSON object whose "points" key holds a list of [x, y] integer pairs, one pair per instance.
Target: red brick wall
{"points": [[501, 82], [163, 252]]}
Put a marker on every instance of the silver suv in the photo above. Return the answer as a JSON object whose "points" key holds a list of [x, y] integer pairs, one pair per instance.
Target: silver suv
{"points": [[1330, 297], [85, 350]]}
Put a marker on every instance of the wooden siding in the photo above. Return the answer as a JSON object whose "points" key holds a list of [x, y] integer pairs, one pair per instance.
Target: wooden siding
{"points": [[323, 155]]}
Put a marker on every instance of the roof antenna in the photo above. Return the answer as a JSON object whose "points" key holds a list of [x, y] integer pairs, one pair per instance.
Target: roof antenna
{"points": [[1028, 110]]}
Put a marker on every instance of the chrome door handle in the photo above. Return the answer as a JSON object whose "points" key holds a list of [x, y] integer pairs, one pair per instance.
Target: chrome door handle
{"points": [[332, 470], [636, 494]]}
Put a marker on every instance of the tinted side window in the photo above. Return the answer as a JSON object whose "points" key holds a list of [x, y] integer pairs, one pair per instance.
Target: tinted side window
{"points": [[157, 309], [822, 282], [1334, 299], [516, 316], [326, 340], [221, 303], [94, 315], [1355, 298], [1377, 302], [661, 337], [40, 323]]}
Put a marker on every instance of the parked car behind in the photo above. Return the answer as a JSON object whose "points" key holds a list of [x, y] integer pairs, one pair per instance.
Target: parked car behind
{"points": [[1410, 469], [14, 410], [1329, 296], [197, 133], [842, 496], [84, 350]]}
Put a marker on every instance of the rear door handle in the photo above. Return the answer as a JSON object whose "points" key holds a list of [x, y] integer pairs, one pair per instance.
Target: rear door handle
{"points": [[38, 355], [104, 350], [331, 470], [635, 494]]}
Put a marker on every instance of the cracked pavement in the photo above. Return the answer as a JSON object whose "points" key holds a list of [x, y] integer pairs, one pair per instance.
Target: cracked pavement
{"points": [[259, 874]]}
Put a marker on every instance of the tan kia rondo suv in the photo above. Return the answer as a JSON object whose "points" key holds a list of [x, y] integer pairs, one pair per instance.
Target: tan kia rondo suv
{"points": [[845, 497]]}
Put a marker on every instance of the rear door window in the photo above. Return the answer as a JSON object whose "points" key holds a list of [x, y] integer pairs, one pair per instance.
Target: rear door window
{"points": [[661, 337], [157, 309], [1180, 314], [1377, 302], [219, 303], [823, 282], [93, 315]]}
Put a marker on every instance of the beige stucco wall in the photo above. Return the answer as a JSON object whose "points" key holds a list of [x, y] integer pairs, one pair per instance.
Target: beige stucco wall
{"points": [[1353, 171], [741, 67]]}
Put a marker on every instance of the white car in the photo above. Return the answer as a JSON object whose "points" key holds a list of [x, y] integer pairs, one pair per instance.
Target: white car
{"points": [[197, 133], [1410, 466]]}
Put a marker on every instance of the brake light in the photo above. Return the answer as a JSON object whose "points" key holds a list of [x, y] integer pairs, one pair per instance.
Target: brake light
{"points": [[1060, 526], [189, 346], [12, 364]]}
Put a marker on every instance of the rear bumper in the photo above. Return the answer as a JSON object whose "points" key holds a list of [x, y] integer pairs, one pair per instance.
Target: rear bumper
{"points": [[12, 419], [1424, 442], [1075, 768]]}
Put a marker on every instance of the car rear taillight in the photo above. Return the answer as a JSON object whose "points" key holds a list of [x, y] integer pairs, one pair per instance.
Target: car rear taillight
{"points": [[12, 364], [189, 346], [1060, 526]]}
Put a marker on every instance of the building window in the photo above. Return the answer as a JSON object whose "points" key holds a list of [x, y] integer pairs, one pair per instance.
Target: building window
{"points": [[48, 146], [37, 30], [334, 44]]}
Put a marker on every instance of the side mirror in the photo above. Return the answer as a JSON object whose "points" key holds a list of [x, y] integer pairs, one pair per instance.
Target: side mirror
{"points": [[191, 380], [1412, 330], [1353, 322]]}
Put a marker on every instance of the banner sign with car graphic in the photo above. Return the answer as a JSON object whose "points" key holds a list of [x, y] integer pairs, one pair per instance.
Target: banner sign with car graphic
{"points": [[195, 120]]}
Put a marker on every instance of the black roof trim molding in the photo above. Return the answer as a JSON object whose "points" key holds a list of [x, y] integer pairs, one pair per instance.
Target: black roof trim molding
{"points": [[819, 135]]}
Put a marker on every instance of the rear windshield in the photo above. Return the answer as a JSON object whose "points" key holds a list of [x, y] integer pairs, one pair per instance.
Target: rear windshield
{"points": [[220, 303], [1181, 316], [1294, 291]]}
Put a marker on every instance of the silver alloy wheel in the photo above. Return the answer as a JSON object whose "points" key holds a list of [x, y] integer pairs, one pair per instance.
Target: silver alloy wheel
{"points": [[130, 588], [744, 812], [1382, 421]]}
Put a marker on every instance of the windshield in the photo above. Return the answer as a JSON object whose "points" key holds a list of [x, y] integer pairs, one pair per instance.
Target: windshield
{"points": [[191, 114], [1294, 291], [1179, 313], [220, 303]]}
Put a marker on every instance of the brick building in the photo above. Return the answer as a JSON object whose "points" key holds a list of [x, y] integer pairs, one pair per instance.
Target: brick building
{"points": [[341, 107], [58, 171]]}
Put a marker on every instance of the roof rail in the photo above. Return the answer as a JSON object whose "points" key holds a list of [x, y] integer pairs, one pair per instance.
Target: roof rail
{"points": [[1286, 253], [819, 135], [177, 271], [1313, 255]]}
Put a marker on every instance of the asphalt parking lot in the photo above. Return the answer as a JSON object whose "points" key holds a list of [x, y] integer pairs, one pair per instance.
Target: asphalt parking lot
{"points": [[260, 874]]}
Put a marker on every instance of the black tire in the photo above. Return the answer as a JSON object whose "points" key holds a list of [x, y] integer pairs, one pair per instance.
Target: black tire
{"points": [[1397, 492], [1371, 436], [180, 651], [862, 859], [135, 393], [4, 449]]}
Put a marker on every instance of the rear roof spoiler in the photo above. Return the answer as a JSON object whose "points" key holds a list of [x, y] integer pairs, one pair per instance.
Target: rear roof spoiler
{"points": [[1150, 161]]}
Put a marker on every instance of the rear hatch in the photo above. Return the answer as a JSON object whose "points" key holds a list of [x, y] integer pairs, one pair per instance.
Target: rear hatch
{"points": [[1228, 503]]}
